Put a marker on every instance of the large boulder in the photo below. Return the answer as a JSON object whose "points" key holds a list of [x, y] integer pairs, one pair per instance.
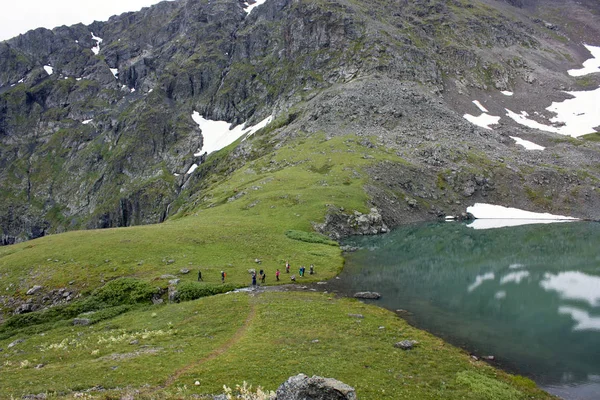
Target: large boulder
{"points": [[367, 295], [301, 387]]}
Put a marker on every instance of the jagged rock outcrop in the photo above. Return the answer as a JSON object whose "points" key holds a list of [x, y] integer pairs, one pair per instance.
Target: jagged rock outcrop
{"points": [[302, 387], [339, 224]]}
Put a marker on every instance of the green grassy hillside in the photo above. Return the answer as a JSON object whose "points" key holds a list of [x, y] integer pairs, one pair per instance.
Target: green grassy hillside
{"points": [[161, 351], [244, 218]]}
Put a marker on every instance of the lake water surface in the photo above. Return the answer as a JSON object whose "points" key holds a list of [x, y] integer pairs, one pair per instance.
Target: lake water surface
{"points": [[528, 295]]}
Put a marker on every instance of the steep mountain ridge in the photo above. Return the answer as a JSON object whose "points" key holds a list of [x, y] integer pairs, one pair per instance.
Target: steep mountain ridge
{"points": [[98, 142]]}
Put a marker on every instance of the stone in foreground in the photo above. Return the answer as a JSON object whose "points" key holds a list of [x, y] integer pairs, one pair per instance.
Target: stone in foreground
{"points": [[367, 295], [301, 387], [406, 344]]}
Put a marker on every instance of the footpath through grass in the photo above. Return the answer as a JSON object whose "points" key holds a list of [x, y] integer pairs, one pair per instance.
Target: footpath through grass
{"points": [[161, 351]]}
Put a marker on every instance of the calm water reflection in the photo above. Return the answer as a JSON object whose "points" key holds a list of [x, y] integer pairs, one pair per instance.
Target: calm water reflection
{"points": [[528, 295]]}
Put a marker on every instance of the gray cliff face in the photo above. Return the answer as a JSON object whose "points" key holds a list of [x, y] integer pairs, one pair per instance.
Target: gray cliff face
{"points": [[83, 148]]}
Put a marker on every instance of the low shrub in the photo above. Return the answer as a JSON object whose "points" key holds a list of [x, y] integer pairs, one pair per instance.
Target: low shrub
{"points": [[112, 299], [125, 291], [108, 313], [310, 237], [194, 290]]}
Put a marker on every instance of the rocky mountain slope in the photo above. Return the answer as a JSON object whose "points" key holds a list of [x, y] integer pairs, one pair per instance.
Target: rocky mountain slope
{"points": [[96, 128]]}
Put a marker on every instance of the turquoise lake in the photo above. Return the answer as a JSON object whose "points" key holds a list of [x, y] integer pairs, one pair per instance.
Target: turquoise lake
{"points": [[528, 295]]}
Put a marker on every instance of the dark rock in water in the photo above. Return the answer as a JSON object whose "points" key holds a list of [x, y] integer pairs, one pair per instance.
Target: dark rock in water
{"points": [[466, 217], [367, 295], [82, 321], [301, 387], [406, 344], [349, 249]]}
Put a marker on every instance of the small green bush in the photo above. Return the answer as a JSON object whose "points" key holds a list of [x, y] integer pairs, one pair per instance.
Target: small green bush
{"points": [[108, 313], [486, 388], [125, 291], [310, 237], [195, 290]]}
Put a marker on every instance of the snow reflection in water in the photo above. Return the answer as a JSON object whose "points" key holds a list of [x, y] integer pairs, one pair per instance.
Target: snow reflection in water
{"points": [[529, 295]]}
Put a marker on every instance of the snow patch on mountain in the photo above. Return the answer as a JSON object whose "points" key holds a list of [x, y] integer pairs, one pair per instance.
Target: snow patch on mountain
{"points": [[576, 116], [484, 120], [249, 7], [481, 108], [527, 144], [217, 134], [589, 66], [96, 48], [492, 211]]}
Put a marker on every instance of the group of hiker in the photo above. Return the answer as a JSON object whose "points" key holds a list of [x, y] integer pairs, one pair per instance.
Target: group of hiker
{"points": [[223, 276], [263, 276]]}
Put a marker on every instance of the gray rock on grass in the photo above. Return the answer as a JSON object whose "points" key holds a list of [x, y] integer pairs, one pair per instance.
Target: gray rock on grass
{"points": [[16, 342], [406, 344], [301, 387], [34, 290]]}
